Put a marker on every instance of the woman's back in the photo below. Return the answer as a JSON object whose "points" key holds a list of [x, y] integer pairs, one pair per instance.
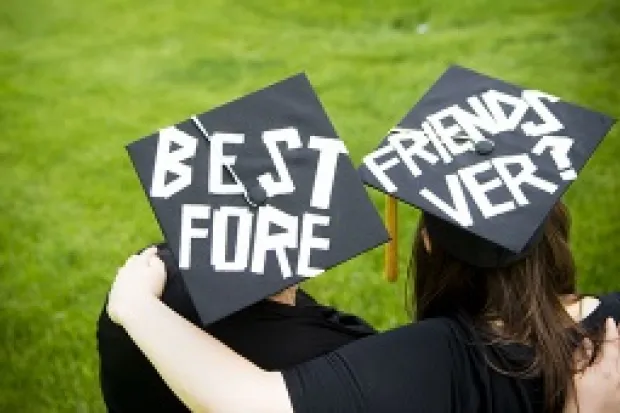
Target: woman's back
{"points": [[505, 393], [436, 365]]}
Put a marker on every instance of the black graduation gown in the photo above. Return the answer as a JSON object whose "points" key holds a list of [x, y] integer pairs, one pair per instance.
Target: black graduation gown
{"points": [[433, 366], [272, 335]]}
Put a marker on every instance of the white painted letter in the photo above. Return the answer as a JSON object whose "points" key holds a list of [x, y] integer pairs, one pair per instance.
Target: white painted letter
{"points": [[415, 149], [189, 212], [479, 189], [472, 122], [525, 175], [217, 160], [437, 144], [308, 242], [167, 161], [278, 243], [505, 122], [460, 211], [285, 185], [329, 151], [378, 171], [219, 238], [447, 134], [550, 123]]}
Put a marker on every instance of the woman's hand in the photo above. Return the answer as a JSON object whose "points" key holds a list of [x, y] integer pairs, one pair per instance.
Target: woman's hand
{"points": [[598, 387], [143, 275], [203, 373]]}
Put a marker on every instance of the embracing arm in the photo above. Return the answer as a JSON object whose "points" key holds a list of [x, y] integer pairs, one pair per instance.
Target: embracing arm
{"points": [[207, 376], [204, 373]]}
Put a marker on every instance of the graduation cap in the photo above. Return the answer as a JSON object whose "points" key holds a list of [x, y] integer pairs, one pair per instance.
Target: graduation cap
{"points": [[255, 196], [485, 161]]}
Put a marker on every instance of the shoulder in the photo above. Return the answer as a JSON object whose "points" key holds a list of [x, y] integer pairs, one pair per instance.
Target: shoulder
{"points": [[418, 364], [438, 329], [609, 299], [427, 330], [411, 365], [610, 305], [433, 339]]}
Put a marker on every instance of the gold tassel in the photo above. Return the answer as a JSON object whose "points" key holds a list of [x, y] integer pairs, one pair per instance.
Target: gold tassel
{"points": [[391, 249]]}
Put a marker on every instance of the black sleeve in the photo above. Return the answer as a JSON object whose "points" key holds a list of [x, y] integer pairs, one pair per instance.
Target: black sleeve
{"points": [[408, 369], [610, 306]]}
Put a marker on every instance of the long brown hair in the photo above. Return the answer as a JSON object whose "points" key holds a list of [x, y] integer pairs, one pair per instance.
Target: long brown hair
{"points": [[519, 303]]}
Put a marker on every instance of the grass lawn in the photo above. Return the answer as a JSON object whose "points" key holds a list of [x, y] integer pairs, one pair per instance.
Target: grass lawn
{"points": [[79, 80]]}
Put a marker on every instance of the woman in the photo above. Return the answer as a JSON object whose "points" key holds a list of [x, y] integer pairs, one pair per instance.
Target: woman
{"points": [[279, 332], [488, 340]]}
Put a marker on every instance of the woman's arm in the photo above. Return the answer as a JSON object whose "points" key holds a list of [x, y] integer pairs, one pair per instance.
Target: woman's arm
{"points": [[209, 377], [205, 374]]}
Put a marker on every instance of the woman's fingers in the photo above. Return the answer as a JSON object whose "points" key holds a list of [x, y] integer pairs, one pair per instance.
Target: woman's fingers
{"points": [[618, 350], [143, 258], [611, 345], [156, 263], [611, 330], [583, 355], [152, 259], [149, 252], [612, 340], [609, 360]]}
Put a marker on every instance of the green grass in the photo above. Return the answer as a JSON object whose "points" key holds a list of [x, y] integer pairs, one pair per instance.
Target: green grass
{"points": [[79, 80]]}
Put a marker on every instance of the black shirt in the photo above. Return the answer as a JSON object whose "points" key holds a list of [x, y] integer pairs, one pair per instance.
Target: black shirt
{"points": [[272, 335], [433, 366]]}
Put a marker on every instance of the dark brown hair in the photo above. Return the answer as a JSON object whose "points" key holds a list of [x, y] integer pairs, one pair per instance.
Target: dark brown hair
{"points": [[520, 303]]}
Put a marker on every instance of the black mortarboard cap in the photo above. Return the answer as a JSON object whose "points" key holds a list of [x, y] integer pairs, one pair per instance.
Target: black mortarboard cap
{"points": [[255, 196], [485, 161]]}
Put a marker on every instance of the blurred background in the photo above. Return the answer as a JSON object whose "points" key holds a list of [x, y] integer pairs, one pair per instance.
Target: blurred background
{"points": [[79, 80]]}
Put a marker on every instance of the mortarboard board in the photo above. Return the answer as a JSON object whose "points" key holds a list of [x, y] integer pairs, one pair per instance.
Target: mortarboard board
{"points": [[485, 161], [255, 196]]}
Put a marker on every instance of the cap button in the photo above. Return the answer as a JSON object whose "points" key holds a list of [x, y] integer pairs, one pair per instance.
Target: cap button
{"points": [[257, 195], [484, 147]]}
